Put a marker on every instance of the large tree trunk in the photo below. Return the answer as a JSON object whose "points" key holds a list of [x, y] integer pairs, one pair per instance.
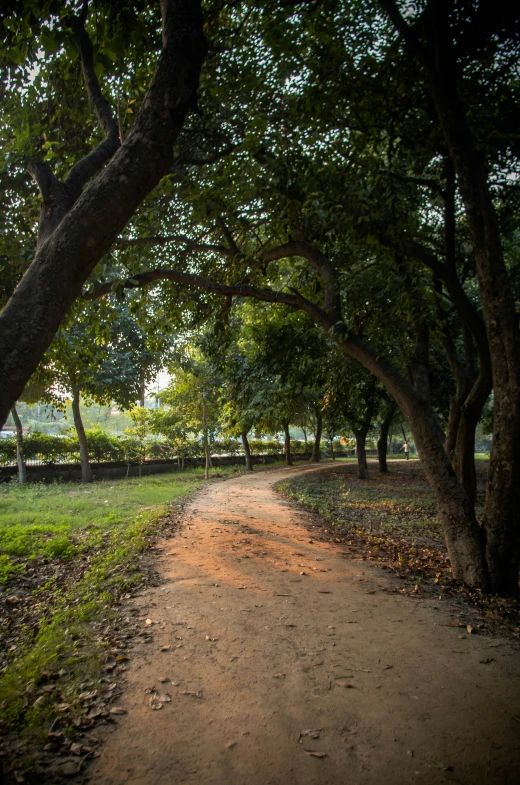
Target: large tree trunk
{"points": [[361, 453], [247, 451], [464, 537], [287, 442], [438, 57], [382, 442], [86, 469], [316, 451], [20, 460], [65, 260], [503, 490]]}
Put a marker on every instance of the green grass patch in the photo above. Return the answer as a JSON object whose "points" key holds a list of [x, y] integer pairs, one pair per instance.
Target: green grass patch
{"points": [[67, 555]]}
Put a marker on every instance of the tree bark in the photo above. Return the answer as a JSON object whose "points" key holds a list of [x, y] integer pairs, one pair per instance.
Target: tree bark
{"points": [[316, 451], [498, 303], [382, 442], [361, 454], [20, 459], [247, 451], [464, 537], [86, 469], [503, 489], [331, 441], [85, 233], [207, 457], [287, 443]]}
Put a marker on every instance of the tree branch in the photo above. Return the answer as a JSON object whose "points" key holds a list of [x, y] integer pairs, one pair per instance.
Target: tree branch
{"points": [[84, 169], [404, 29], [44, 177], [188, 280]]}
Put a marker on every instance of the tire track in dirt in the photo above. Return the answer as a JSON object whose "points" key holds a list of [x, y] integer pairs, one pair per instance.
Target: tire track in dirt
{"points": [[271, 635]]}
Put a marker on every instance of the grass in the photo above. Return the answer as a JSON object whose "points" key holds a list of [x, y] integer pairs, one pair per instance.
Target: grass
{"points": [[68, 553], [39, 519]]}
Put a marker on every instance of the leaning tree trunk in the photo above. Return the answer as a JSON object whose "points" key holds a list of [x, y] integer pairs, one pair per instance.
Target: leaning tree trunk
{"points": [[247, 451], [382, 442], [316, 451], [464, 537], [20, 459], [361, 438], [102, 204], [86, 469], [287, 443]]}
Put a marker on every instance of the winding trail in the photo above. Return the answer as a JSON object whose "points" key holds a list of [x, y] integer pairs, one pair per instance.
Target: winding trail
{"points": [[272, 634]]}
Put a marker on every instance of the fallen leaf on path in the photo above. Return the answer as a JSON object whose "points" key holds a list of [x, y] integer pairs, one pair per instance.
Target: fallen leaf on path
{"points": [[163, 679], [315, 754], [388, 667], [163, 697], [165, 648], [469, 628], [279, 676], [454, 624], [312, 733], [117, 710]]}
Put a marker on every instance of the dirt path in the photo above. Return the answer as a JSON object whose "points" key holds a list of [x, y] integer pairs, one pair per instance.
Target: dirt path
{"points": [[272, 635]]}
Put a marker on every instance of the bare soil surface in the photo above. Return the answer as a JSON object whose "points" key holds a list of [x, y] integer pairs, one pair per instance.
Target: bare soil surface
{"points": [[276, 659]]}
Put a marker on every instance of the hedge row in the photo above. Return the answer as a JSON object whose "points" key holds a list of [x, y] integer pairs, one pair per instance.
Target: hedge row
{"points": [[43, 448]]}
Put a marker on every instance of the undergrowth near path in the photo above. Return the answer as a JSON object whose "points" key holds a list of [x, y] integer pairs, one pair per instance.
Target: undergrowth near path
{"points": [[68, 554], [391, 520]]}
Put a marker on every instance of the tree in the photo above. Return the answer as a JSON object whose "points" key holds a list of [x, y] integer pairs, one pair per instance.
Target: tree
{"points": [[140, 418], [382, 442], [102, 355], [84, 213], [315, 226], [492, 34], [352, 401], [192, 399]]}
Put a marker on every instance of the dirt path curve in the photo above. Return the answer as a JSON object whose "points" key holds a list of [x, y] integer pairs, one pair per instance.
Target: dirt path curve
{"points": [[272, 635]]}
